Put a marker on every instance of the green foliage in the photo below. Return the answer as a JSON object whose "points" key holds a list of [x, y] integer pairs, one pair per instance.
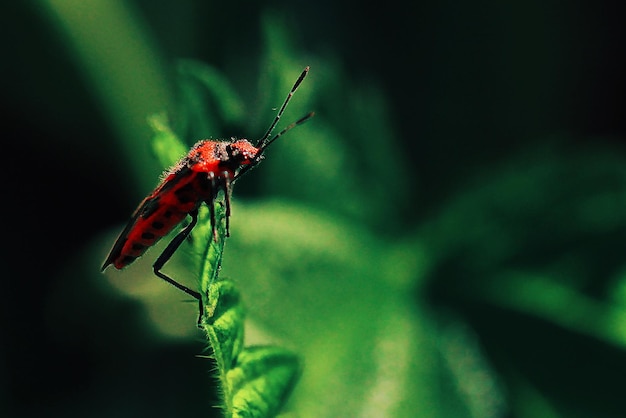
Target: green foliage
{"points": [[255, 381], [166, 145], [505, 298]]}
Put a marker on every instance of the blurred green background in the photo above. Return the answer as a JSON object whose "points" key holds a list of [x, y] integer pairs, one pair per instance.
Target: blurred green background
{"points": [[444, 238]]}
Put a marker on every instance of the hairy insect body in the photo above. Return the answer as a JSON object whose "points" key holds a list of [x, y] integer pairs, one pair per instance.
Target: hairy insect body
{"points": [[209, 167]]}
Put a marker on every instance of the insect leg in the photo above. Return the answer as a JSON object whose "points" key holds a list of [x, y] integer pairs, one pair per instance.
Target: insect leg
{"points": [[167, 254], [211, 204], [227, 193]]}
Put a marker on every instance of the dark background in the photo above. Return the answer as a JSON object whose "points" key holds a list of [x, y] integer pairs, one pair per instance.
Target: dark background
{"points": [[469, 85]]}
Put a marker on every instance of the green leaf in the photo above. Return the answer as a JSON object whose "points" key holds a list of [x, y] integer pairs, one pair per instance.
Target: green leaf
{"points": [[255, 381], [167, 146], [261, 381], [223, 322]]}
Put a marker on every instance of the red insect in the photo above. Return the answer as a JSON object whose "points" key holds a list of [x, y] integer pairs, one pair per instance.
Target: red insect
{"points": [[209, 167]]}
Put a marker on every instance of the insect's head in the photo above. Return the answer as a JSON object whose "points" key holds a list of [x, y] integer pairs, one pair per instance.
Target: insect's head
{"points": [[241, 153]]}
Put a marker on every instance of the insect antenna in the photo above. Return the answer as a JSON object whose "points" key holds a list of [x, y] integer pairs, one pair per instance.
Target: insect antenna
{"points": [[262, 144], [265, 141], [287, 128]]}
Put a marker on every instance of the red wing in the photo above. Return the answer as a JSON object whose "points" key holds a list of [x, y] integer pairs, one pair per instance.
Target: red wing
{"points": [[145, 208], [156, 216]]}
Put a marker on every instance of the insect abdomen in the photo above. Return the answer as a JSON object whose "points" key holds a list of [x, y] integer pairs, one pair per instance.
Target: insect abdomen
{"points": [[148, 232], [160, 213]]}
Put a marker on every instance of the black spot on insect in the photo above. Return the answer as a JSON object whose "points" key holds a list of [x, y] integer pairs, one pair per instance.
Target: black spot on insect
{"points": [[149, 207], [138, 247], [147, 235], [168, 214], [204, 183], [129, 259], [157, 225], [230, 150], [185, 193]]}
